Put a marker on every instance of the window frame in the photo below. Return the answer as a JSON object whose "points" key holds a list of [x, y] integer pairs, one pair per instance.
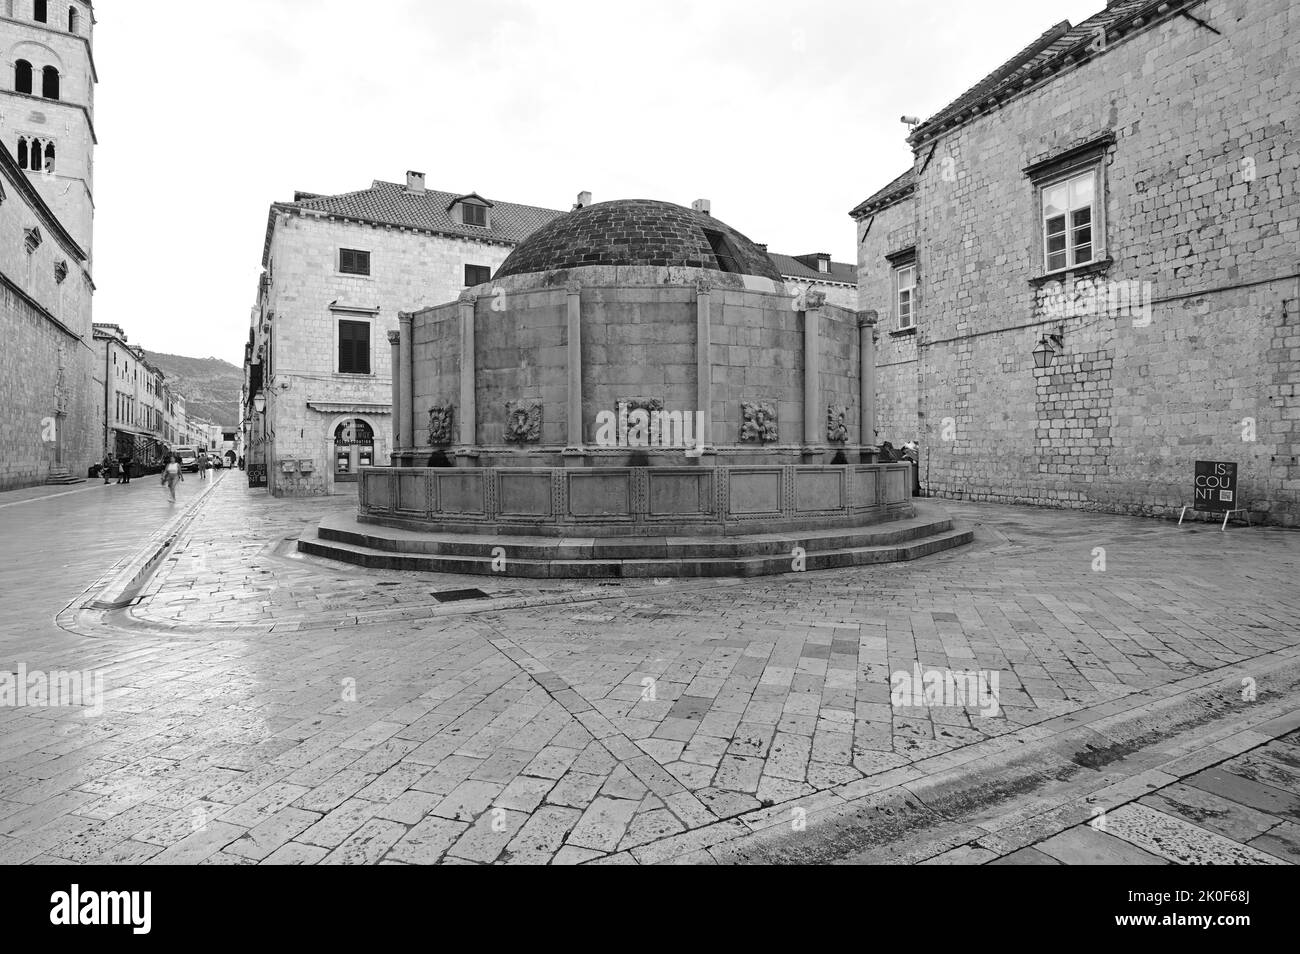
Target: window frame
{"points": [[1066, 178], [357, 319], [481, 210], [899, 269], [487, 271], [1089, 157], [338, 262]]}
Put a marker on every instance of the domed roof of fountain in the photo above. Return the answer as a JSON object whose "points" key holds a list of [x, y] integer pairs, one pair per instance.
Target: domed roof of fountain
{"points": [[638, 232]]}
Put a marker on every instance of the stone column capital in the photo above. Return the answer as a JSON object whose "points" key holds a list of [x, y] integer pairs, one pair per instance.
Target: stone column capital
{"points": [[572, 287], [468, 296], [703, 287], [404, 318], [868, 318], [394, 337]]}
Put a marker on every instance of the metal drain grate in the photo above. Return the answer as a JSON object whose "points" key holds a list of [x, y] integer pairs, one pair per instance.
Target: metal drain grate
{"points": [[447, 596]]}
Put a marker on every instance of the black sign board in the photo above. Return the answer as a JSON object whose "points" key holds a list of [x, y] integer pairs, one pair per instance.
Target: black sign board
{"points": [[1216, 486]]}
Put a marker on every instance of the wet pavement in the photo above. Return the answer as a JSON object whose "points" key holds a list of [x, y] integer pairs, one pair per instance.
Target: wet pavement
{"points": [[264, 706]]}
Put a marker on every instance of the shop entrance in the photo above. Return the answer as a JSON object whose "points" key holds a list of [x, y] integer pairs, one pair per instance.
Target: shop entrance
{"points": [[354, 448]]}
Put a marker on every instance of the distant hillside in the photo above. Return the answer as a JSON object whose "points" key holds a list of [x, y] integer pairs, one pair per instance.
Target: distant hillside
{"points": [[210, 385]]}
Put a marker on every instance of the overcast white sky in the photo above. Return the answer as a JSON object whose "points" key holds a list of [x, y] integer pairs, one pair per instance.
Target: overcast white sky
{"points": [[784, 114]]}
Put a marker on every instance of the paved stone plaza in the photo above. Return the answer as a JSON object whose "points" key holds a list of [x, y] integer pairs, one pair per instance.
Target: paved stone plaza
{"points": [[262, 706]]}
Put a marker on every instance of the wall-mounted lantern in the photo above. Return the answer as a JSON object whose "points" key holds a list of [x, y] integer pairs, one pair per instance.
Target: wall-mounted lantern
{"points": [[259, 402], [1046, 350]]}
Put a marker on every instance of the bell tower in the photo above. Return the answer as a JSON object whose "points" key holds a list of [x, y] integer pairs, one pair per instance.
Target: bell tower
{"points": [[47, 104]]}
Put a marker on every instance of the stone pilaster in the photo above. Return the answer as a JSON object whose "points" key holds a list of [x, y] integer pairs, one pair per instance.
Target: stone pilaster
{"points": [[813, 447], [574, 453], [405, 411], [395, 364], [704, 372], [867, 378], [467, 445]]}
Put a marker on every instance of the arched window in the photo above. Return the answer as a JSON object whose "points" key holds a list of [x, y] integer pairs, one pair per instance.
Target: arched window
{"points": [[23, 76], [73, 18], [49, 157], [22, 153], [38, 11], [50, 83]]}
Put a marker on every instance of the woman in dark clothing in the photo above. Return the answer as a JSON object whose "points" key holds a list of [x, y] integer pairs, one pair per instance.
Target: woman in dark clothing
{"points": [[124, 471]]}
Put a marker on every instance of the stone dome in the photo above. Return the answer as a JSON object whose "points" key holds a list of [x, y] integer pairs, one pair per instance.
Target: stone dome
{"points": [[638, 232]]}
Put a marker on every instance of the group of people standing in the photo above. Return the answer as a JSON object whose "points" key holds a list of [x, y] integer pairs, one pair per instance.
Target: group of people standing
{"points": [[119, 467]]}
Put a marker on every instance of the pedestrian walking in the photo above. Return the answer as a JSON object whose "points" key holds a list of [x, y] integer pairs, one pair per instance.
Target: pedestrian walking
{"points": [[202, 463], [124, 470], [107, 467], [172, 475]]}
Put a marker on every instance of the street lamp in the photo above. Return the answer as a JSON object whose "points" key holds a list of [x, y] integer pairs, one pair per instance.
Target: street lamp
{"points": [[259, 402], [1046, 349]]}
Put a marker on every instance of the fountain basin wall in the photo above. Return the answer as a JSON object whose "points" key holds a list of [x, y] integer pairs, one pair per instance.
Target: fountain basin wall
{"points": [[634, 501]]}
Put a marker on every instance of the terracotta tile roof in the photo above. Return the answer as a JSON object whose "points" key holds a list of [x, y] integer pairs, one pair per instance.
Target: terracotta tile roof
{"points": [[1049, 49], [897, 188], [790, 267], [389, 203]]}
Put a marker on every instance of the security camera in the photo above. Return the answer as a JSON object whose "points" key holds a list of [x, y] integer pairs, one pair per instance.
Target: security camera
{"points": [[910, 120]]}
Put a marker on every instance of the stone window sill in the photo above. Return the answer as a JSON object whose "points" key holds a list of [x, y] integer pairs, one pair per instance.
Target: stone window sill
{"points": [[1099, 267], [903, 332]]}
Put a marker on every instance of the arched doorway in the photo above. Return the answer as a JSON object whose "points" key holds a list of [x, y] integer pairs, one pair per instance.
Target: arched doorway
{"points": [[354, 448]]}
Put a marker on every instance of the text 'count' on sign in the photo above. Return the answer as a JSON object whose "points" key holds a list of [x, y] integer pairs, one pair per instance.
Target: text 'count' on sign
{"points": [[1216, 486]]}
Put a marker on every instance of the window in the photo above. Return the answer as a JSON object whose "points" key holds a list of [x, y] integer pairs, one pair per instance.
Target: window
{"points": [[1069, 214], [905, 295], [50, 83], [73, 18], [354, 347], [39, 12], [354, 261], [49, 157], [723, 251], [22, 153], [23, 76], [477, 274], [473, 214]]}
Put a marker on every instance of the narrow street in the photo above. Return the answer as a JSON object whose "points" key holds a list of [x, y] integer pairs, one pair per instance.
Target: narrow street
{"points": [[60, 540], [262, 706]]}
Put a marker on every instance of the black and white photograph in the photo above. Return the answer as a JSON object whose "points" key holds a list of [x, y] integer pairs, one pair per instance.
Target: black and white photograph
{"points": [[697, 432]]}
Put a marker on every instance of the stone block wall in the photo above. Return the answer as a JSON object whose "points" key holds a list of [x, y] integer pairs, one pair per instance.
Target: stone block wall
{"points": [[46, 367], [1190, 350], [639, 342], [891, 229]]}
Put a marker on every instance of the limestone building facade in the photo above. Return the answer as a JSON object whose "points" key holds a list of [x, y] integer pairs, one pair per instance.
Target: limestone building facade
{"points": [[337, 271], [48, 431], [51, 430], [1090, 277]]}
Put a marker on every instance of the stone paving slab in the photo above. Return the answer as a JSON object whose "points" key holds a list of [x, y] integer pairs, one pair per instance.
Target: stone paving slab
{"points": [[284, 710]]}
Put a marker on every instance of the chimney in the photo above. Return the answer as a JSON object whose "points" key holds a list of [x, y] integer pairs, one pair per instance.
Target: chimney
{"points": [[583, 200], [414, 181], [762, 246], [701, 205]]}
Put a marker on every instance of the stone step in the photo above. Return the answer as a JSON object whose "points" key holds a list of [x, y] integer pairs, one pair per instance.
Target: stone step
{"points": [[667, 564], [347, 529], [61, 477]]}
